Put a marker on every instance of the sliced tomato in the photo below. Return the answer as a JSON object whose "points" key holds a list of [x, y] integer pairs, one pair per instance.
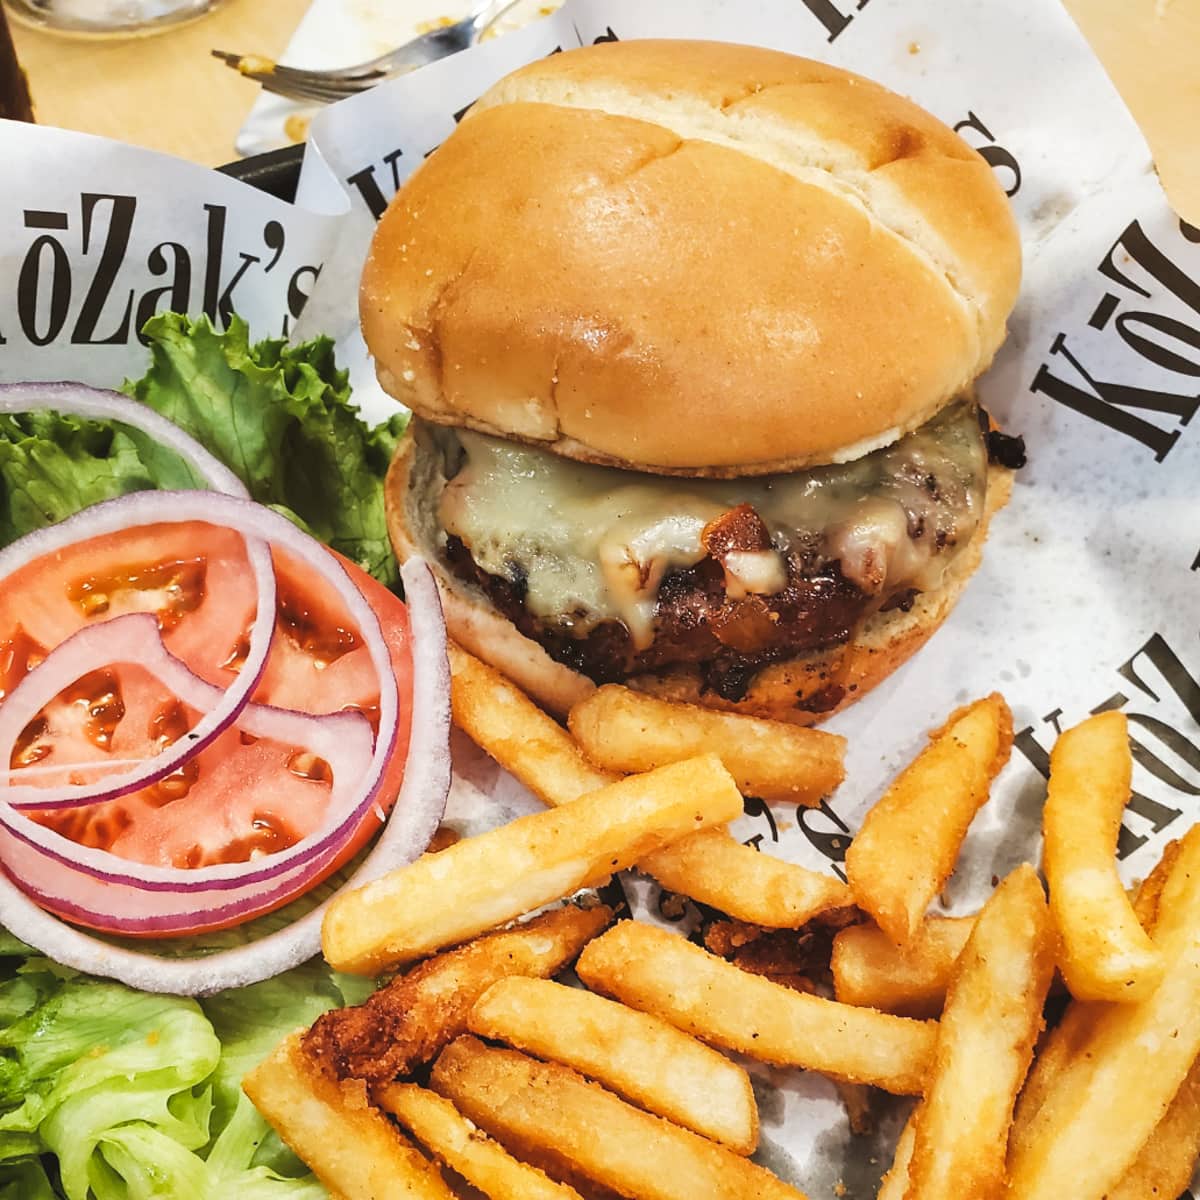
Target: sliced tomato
{"points": [[241, 797]]}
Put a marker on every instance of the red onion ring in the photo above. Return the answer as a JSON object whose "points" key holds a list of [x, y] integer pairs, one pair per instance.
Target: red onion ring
{"points": [[25, 845], [257, 526], [119, 898], [414, 819], [103, 405]]}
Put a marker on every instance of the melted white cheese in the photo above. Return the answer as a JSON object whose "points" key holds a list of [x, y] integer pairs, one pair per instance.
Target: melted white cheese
{"points": [[593, 543]]}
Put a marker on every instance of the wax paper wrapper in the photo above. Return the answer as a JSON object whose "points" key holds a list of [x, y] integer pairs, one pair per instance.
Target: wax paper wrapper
{"points": [[1088, 594]]}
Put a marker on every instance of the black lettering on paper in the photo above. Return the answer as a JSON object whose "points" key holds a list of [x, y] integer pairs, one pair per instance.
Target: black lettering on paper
{"points": [[1135, 244], [606, 36], [1159, 747], [46, 265], [112, 255], [274, 238], [832, 16], [174, 296], [827, 832], [752, 806], [1138, 268], [1109, 402], [297, 297], [367, 185], [996, 157]]}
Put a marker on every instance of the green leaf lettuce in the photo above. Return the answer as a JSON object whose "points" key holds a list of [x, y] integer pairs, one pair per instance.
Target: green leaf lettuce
{"points": [[279, 416]]}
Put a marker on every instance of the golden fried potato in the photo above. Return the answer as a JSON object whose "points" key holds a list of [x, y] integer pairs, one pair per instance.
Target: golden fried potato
{"points": [[542, 755], [408, 1021], [450, 1137], [623, 730], [1085, 1126], [745, 883], [481, 882], [894, 1185], [1146, 897], [547, 1112], [1106, 954], [350, 1146], [1167, 1162], [662, 973], [909, 841], [870, 970], [640, 1057], [985, 1042], [523, 739]]}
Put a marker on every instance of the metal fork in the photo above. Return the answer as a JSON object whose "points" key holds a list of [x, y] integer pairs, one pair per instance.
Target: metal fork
{"points": [[324, 87]]}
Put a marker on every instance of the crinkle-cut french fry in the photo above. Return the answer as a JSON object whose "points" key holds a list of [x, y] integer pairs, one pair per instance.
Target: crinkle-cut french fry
{"points": [[638, 1056], [909, 841], [623, 730], [745, 884], [985, 1042], [481, 882], [1106, 954], [333, 1127], [526, 741], [869, 969], [548, 1113], [457, 1142], [1095, 1117], [409, 1020], [662, 973]]}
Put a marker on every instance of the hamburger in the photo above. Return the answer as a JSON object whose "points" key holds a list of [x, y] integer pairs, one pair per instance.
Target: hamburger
{"points": [[689, 332]]}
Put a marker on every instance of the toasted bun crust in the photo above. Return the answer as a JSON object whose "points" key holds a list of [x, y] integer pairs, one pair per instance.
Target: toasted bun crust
{"points": [[692, 258], [885, 642]]}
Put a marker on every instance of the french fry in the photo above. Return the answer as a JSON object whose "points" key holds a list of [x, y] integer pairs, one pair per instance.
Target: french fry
{"points": [[541, 754], [871, 971], [409, 1020], [985, 1042], [546, 1112], [623, 730], [894, 1185], [1106, 954], [1095, 1117], [745, 883], [1062, 1052], [909, 841], [1146, 898], [1166, 1163], [640, 1057], [662, 973], [522, 738], [480, 882], [449, 1136], [350, 1146]]}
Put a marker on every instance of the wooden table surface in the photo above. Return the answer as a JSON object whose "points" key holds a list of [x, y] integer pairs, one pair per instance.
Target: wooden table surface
{"points": [[167, 93]]}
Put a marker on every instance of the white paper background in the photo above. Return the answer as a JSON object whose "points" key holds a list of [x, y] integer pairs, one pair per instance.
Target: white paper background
{"points": [[1088, 592]]}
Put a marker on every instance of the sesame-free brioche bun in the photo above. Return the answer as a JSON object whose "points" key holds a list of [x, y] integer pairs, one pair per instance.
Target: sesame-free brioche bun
{"points": [[804, 690], [691, 258]]}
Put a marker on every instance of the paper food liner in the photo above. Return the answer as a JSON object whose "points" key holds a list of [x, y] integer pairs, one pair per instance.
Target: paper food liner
{"points": [[1089, 593]]}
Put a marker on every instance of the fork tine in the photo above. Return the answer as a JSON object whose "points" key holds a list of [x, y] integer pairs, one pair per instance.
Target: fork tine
{"points": [[321, 92], [330, 85], [322, 86], [350, 78]]}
